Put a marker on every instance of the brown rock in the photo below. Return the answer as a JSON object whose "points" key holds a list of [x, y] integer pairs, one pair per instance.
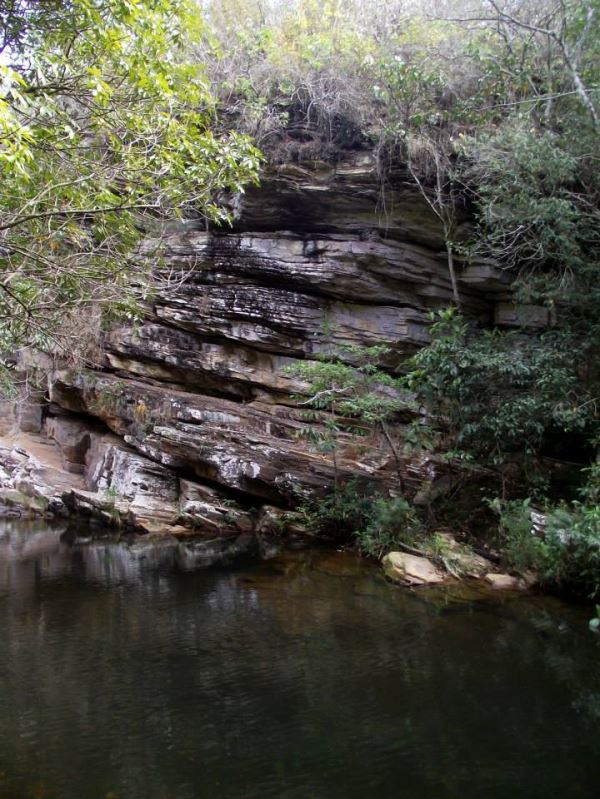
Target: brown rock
{"points": [[509, 314], [290, 323], [207, 433], [73, 439], [508, 582], [206, 509], [344, 198], [411, 569]]}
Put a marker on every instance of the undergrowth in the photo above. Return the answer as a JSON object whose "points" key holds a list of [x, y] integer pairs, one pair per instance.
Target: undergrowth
{"points": [[375, 523], [565, 553]]}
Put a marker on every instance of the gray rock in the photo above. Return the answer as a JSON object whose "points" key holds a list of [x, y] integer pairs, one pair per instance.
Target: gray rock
{"points": [[73, 439], [508, 314]]}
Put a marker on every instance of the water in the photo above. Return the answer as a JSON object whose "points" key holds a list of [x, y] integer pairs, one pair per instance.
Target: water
{"points": [[305, 677]]}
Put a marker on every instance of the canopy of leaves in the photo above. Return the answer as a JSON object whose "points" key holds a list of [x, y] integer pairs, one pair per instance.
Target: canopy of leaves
{"points": [[107, 128]]}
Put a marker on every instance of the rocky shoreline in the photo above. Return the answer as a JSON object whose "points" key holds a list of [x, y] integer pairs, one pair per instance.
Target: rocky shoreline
{"points": [[34, 485]]}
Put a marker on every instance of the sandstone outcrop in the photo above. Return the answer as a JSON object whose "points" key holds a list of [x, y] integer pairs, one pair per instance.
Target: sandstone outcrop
{"points": [[194, 423]]}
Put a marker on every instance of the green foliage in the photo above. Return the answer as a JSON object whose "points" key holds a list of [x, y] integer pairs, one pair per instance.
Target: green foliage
{"points": [[391, 522], [107, 128], [522, 550], [531, 212], [351, 383], [313, 74], [496, 394], [573, 534], [408, 89], [377, 524], [565, 555], [338, 514], [290, 67], [355, 393]]}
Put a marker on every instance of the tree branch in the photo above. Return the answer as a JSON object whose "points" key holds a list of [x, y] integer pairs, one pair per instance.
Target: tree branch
{"points": [[77, 212]]}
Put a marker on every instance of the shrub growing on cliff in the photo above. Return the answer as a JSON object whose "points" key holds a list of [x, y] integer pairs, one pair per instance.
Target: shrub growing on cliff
{"points": [[353, 388], [495, 395], [536, 199], [392, 522], [343, 510]]}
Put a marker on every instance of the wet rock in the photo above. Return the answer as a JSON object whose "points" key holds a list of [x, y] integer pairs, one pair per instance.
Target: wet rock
{"points": [[412, 569], [345, 197], [279, 523], [25, 504], [251, 448], [97, 506], [206, 509], [509, 582], [12, 497], [7, 512], [145, 490]]}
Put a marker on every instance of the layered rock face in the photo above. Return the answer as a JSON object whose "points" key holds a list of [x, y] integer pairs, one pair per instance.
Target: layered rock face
{"points": [[196, 422]]}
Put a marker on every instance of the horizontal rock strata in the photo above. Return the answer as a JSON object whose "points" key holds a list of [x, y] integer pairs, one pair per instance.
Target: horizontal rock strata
{"points": [[195, 423]]}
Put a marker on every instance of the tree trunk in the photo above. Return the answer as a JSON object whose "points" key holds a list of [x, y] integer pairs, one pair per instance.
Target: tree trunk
{"points": [[453, 280]]}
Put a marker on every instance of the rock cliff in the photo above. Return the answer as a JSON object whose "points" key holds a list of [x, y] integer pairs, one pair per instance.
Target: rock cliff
{"points": [[193, 424]]}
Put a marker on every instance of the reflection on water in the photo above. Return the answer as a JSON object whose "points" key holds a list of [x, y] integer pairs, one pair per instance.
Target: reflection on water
{"points": [[123, 673], [33, 551]]}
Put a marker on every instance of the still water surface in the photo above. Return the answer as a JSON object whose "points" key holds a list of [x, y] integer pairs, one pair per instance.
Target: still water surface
{"points": [[124, 674]]}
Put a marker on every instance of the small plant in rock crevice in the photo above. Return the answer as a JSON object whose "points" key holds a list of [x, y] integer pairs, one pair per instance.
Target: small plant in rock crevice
{"points": [[113, 496], [357, 395]]}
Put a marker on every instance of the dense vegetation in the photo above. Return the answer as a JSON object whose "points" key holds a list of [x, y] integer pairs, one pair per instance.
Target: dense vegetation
{"points": [[107, 129], [492, 108], [117, 114]]}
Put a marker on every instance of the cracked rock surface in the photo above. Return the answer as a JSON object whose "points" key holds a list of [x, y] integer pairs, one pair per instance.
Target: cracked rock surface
{"points": [[193, 425]]}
